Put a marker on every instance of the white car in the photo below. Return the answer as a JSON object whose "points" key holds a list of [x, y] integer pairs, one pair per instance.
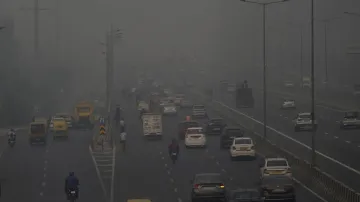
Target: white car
{"points": [[351, 120], [276, 166], [169, 109], [195, 137], [288, 104], [303, 122], [289, 84], [242, 147]]}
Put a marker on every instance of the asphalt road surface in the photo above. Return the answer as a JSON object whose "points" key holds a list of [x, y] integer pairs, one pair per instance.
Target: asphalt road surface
{"points": [[145, 170], [340, 145], [37, 173]]}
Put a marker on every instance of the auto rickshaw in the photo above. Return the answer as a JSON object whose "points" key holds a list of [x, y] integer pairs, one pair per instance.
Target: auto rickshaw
{"points": [[60, 128], [38, 131]]}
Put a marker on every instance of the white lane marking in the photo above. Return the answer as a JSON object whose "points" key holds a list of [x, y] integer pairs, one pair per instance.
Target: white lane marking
{"points": [[175, 190], [223, 170], [41, 194], [97, 171], [45, 169], [168, 172], [105, 165], [292, 139], [43, 184], [160, 153], [104, 160], [336, 137], [45, 162], [217, 162], [172, 180], [44, 174], [165, 165], [179, 200], [231, 178], [281, 115], [347, 141], [326, 133], [47, 151], [113, 174], [286, 117], [301, 184], [162, 158]]}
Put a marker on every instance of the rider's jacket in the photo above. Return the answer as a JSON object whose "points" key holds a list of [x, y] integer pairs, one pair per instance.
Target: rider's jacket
{"points": [[174, 148], [71, 182]]}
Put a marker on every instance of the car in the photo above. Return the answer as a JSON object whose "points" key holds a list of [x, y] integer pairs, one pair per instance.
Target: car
{"points": [[183, 126], [242, 147], [69, 119], [208, 186], [228, 134], [178, 99], [289, 84], [169, 109], [275, 166], [278, 188], [244, 195], [186, 104], [195, 137], [303, 122], [215, 126], [351, 120], [288, 104], [199, 111]]}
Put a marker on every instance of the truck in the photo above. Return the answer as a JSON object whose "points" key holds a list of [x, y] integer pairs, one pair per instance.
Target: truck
{"points": [[84, 115], [152, 125], [244, 96]]}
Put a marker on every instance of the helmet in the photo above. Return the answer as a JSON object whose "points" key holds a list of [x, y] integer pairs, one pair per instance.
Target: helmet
{"points": [[71, 173]]}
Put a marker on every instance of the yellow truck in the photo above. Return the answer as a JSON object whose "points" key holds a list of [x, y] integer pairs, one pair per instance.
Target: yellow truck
{"points": [[84, 115], [38, 131], [59, 128]]}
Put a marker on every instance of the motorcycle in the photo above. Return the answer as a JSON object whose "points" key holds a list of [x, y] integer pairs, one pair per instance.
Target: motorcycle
{"points": [[72, 195], [11, 142], [174, 157]]}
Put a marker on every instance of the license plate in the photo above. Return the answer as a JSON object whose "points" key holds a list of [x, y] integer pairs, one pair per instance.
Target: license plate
{"points": [[243, 148], [174, 154], [276, 172], [208, 188], [72, 192], [216, 129]]}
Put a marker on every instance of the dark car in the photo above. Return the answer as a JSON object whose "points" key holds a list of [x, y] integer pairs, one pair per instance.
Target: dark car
{"points": [[208, 186], [228, 135], [215, 126], [244, 195], [278, 188], [183, 126]]}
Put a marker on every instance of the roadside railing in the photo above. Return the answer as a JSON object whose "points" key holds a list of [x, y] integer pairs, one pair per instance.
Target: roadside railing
{"points": [[313, 178]]}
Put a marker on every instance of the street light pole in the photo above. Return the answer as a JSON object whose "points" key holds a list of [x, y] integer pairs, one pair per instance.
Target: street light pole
{"points": [[313, 145], [264, 58]]}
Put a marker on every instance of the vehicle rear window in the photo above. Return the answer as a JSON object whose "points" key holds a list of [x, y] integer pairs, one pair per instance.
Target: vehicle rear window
{"points": [[199, 107], [246, 195], [194, 131], [305, 116], [37, 128], [83, 109], [243, 141], [208, 179], [235, 133], [277, 163]]}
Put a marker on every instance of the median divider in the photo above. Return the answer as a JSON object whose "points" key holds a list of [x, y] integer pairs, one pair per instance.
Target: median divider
{"points": [[321, 183], [101, 137]]}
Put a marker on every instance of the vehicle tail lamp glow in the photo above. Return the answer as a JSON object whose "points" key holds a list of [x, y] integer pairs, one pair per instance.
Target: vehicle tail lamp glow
{"points": [[222, 186], [196, 186]]}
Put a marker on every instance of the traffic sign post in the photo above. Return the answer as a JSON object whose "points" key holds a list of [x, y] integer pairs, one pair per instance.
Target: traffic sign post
{"points": [[102, 130]]}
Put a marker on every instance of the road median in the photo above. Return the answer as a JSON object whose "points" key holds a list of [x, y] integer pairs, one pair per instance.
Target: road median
{"points": [[321, 183], [101, 142]]}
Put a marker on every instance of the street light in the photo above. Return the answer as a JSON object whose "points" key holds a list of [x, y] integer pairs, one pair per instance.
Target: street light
{"points": [[264, 54]]}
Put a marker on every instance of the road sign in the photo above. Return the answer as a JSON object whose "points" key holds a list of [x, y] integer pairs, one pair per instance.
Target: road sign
{"points": [[102, 130]]}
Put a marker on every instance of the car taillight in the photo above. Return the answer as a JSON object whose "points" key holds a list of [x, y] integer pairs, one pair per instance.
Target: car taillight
{"points": [[288, 170], [233, 148], [222, 186], [266, 171], [196, 186]]}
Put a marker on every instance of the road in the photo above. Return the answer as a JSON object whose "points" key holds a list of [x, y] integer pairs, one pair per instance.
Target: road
{"points": [[145, 170], [332, 142], [37, 172]]}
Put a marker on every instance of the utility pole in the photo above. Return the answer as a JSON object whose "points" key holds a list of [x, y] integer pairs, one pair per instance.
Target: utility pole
{"points": [[36, 11], [313, 145]]}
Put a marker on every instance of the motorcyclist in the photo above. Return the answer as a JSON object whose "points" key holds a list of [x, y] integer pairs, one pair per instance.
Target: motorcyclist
{"points": [[174, 147], [72, 183], [11, 135]]}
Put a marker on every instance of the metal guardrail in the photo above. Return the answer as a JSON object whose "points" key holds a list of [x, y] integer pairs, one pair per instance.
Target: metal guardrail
{"points": [[320, 182]]}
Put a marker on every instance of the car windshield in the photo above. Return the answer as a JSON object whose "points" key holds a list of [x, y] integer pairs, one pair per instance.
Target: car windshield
{"points": [[253, 194], [275, 163], [304, 116], [37, 128], [235, 133], [199, 107], [276, 180], [208, 179], [195, 131], [243, 141]]}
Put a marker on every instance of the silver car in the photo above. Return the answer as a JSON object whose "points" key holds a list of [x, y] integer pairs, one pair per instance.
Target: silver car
{"points": [[351, 120], [288, 104], [303, 122]]}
